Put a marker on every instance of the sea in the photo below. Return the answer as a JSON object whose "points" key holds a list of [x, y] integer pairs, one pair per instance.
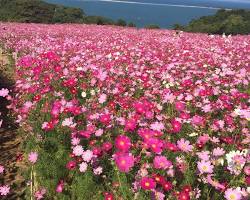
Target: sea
{"points": [[164, 13]]}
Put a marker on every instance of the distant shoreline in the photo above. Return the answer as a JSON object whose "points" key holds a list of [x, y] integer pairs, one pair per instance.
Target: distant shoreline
{"points": [[157, 4]]}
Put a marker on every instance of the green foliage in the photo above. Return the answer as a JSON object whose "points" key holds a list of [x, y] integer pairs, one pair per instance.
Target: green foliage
{"points": [[131, 24], [224, 21], [37, 11], [121, 22], [64, 14], [84, 187], [178, 27], [152, 26], [99, 20]]}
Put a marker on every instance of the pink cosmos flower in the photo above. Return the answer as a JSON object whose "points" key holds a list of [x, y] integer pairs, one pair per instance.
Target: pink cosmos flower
{"points": [[204, 155], [147, 183], [83, 167], [4, 190], [161, 162], [102, 98], [130, 124], [215, 183], [180, 106], [75, 141], [78, 150], [99, 132], [71, 165], [218, 152], [40, 194], [4, 92], [205, 167], [33, 157], [1, 169], [87, 155], [60, 187], [122, 143], [105, 119], [232, 194], [197, 120], [124, 162], [155, 145], [247, 170], [184, 145], [68, 122], [157, 126], [98, 170], [176, 126]]}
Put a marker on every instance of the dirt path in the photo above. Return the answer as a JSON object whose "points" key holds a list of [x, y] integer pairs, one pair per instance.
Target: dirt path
{"points": [[9, 140]]}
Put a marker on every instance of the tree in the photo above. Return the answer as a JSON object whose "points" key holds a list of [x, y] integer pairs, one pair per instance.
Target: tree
{"points": [[152, 26], [131, 24], [121, 22]]}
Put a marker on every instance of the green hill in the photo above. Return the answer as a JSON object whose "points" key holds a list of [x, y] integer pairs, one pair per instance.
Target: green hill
{"points": [[224, 21], [37, 11]]}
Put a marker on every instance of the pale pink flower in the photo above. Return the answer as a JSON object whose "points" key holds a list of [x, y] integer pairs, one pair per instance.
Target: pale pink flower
{"points": [[78, 150], [184, 145], [218, 151], [4, 190], [203, 155], [68, 122], [99, 132], [33, 157], [75, 141], [83, 167], [157, 126], [1, 169], [87, 155], [98, 170], [233, 194], [205, 167], [4, 92], [40, 194], [102, 98]]}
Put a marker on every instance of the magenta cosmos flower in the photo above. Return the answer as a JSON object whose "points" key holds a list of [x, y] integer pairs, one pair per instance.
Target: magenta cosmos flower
{"points": [[176, 126], [161, 162], [122, 143], [147, 183], [124, 162]]}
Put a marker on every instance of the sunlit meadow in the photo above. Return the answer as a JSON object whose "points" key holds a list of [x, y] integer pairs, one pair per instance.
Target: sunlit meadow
{"points": [[120, 113]]}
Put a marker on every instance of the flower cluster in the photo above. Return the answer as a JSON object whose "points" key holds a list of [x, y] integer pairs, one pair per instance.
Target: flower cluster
{"points": [[169, 111]]}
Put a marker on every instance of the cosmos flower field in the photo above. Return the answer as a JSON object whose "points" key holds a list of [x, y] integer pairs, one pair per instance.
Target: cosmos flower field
{"points": [[120, 113]]}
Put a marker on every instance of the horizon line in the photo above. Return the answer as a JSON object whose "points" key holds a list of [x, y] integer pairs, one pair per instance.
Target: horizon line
{"points": [[157, 4]]}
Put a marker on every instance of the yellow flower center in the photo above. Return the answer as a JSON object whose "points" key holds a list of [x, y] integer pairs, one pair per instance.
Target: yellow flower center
{"points": [[122, 143], [123, 162], [147, 184], [204, 168], [232, 197]]}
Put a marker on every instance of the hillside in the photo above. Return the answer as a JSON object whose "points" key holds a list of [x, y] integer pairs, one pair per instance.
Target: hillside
{"points": [[36, 11], [224, 21]]}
